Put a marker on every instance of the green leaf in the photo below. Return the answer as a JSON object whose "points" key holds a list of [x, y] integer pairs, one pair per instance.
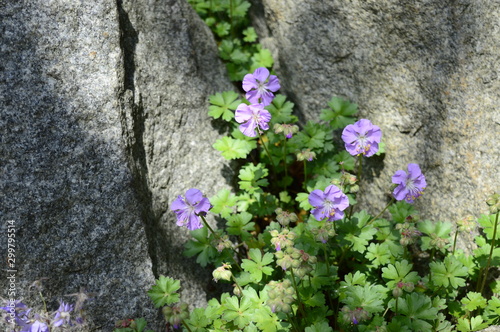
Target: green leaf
{"points": [[473, 301], [303, 199], [250, 35], [437, 235], [369, 297], [223, 203], [240, 225], [418, 311], [340, 114], [401, 210], [253, 178], [281, 110], [448, 272], [239, 7], [237, 312], [379, 254], [311, 137], [201, 246], [487, 222], [357, 278], [355, 231], [222, 29], [198, 320], [164, 291], [345, 159], [233, 148], [319, 327], [223, 104], [263, 58], [400, 271], [474, 324], [257, 265]]}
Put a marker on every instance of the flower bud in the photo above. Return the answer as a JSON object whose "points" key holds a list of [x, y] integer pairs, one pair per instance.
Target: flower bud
{"points": [[397, 292], [285, 217], [467, 224], [222, 273], [306, 154], [494, 203]]}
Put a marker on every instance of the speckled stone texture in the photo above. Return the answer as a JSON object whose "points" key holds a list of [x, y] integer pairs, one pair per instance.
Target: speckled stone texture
{"points": [[103, 123], [426, 72]]}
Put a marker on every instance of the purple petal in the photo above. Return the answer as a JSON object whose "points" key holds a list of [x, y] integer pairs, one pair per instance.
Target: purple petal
{"points": [[267, 98], [249, 82], [316, 198], [414, 171], [264, 118], [321, 213], [193, 196], [243, 113], [337, 216], [399, 177], [178, 204], [248, 128], [400, 192], [261, 74], [194, 222], [349, 134], [273, 84], [203, 206]]}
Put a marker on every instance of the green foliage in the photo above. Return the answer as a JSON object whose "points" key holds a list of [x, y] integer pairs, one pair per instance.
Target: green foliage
{"points": [[340, 113], [223, 203], [223, 104], [164, 291], [399, 272], [253, 178], [256, 265], [237, 40], [448, 273], [487, 222], [415, 312], [232, 148]]}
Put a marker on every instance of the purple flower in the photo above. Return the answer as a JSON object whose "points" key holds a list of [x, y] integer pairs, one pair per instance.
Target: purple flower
{"points": [[410, 185], [18, 311], [259, 86], [362, 137], [252, 117], [189, 208], [63, 314], [329, 204], [38, 326]]}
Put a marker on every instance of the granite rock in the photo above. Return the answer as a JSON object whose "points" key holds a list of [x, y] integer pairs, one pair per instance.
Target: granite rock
{"points": [[103, 121]]}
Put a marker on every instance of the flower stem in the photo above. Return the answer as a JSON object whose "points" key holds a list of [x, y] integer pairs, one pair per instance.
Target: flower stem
{"points": [[360, 166], [485, 276], [267, 151], [284, 162], [378, 215], [185, 325], [208, 226], [301, 308], [305, 175], [43, 300], [237, 285], [455, 242]]}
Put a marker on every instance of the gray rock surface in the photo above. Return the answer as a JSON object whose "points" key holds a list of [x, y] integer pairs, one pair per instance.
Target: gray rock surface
{"points": [[103, 122], [426, 72]]}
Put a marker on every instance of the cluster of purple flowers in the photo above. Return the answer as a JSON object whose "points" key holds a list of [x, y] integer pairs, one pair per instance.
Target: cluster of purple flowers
{"points": [[259, 88], [361, 139], [18, 314]]}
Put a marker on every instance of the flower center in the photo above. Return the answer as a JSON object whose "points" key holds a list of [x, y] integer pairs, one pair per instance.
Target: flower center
{"points": [[328, 205]]}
